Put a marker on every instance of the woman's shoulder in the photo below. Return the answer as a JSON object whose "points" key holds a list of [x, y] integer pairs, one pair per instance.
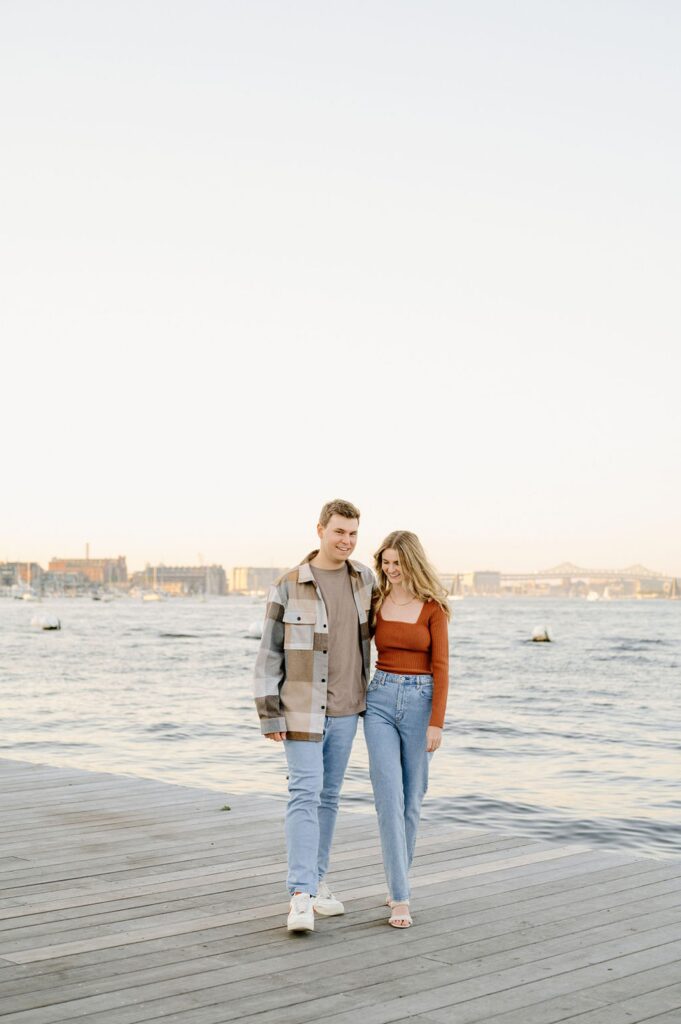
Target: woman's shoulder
{"points": [[434, 609]]}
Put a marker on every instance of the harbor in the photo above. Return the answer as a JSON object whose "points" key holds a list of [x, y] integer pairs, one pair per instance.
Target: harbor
{"points": [[127, 900]]}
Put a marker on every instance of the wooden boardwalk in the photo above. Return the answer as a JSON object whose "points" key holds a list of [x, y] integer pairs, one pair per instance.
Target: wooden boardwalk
{"points": [[127, 900]]}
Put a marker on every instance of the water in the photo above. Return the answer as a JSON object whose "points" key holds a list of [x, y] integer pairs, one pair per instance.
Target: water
{"points": [[573, 740]]}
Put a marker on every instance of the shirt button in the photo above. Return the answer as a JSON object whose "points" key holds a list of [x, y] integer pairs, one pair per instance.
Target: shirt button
{"points": [[324, 626], [324, 652], [323, 680], [323, 707], [299, 618]]}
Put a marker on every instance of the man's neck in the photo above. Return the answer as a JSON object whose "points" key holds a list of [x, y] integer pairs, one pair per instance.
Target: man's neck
{"points": [[320, 561]]}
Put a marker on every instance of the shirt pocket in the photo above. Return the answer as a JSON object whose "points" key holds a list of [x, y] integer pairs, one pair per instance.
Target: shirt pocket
{"points": [[299, 629]]}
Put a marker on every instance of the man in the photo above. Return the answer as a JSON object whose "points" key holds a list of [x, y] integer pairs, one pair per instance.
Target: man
{"points": [[310, 687]]}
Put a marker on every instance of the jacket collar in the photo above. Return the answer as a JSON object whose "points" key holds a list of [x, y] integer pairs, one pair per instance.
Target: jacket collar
{"points": [[305, 574]]}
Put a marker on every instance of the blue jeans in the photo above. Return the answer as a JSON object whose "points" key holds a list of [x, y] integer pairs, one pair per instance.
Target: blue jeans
{"points": [[395, 724], [315, 772]]}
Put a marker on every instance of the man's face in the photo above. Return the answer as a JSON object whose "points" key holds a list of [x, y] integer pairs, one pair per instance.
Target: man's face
{"points": [[338, 538]]}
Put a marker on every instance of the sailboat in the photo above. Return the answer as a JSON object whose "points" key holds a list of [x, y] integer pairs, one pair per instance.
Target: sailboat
{"points": [[28, 593], [153, 595]]}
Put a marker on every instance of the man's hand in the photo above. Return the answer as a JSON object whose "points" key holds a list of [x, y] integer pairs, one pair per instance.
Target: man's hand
{"points": [[279, 736], [433, 738]]}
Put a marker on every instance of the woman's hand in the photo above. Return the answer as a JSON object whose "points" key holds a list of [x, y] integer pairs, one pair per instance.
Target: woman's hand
{"points": [[433, 738]]}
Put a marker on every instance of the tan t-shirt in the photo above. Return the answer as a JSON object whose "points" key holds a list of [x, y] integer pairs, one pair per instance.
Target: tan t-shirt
{"points": [[345, 685]]}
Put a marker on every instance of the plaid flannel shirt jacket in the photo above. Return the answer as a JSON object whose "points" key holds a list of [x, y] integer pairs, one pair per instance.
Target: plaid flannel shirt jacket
{"points": [[292, 664]]}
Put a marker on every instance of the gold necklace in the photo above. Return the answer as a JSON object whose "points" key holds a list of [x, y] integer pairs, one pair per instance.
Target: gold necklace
{"points": [[404, 603]]}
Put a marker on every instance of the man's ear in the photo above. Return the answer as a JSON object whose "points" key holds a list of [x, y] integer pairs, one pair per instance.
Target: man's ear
{"points": [[320, 530]]}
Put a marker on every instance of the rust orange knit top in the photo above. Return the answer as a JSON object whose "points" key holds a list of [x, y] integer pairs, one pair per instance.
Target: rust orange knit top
{"points": [[418, 648]]}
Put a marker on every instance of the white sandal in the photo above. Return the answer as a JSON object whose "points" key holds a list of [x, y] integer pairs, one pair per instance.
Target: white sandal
{"points": [[395, 918]]}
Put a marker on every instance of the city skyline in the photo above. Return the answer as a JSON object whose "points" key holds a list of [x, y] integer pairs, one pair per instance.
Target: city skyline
{"points": [[104, 578], [260, 255], [563, 566]]}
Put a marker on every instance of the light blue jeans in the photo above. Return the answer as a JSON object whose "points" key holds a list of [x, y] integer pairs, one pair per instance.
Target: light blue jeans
{"points": [[395, 724], [315, 773]]}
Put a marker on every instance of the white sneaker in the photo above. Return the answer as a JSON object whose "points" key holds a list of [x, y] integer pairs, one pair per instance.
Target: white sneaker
{"points": [[325, 903], [301, 914]]}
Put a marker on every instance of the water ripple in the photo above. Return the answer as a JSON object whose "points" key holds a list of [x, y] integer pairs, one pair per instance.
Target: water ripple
{"points": [[574, 740]]}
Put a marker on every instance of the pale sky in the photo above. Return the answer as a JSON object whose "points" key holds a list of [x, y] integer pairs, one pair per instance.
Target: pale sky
{"points": [[424, 256]]}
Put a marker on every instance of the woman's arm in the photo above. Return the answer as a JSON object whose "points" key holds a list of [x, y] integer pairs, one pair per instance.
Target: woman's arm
{"points": [[439, 656]]}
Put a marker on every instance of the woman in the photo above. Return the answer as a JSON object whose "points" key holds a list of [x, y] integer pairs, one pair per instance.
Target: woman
{"points": [[406, 701]]}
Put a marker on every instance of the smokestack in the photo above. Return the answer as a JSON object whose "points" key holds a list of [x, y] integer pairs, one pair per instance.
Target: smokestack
{"points": [[87, 552]]}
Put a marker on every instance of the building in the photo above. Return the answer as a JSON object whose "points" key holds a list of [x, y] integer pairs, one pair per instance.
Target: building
{"points": [[21, 575], [101, 571], [182, 580], [652, 587], [481, 582], [253, 580]]}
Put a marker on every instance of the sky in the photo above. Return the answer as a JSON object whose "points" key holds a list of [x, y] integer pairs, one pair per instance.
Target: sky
{"points": [[423, 256]]}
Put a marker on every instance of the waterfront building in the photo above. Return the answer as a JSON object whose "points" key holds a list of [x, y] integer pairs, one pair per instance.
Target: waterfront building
{"points": [[182, 580], [66, 584], [102, 571], [253, 580], [652, 587], [485, 582], [21, 575]]}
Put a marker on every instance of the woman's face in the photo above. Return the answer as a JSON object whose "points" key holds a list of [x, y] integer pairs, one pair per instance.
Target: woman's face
{"points": [[390, 564]]}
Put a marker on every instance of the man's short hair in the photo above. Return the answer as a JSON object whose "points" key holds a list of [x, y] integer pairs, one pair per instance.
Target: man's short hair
{"points": [[338, 507]]}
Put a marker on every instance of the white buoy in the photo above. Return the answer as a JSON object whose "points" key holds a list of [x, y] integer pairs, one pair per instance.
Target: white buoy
{"points": [[255, 631], [46, 622], [540, 635]]}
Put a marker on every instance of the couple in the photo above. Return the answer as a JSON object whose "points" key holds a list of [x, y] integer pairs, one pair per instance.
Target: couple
{"points": [[311, 687]]}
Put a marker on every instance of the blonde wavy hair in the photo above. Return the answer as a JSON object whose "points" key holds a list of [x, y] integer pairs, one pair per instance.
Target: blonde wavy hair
{"points": [[418, 575]]}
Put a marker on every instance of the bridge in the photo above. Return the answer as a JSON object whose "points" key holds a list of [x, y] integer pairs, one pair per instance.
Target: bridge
{"points": [[569, 571], [565, 574]]}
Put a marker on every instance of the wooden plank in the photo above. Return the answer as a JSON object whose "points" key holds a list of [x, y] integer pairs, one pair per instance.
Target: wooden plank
{"points": [[639, 983], [115, 808], [26, 811], [646, 1007], [665, 1018]]}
